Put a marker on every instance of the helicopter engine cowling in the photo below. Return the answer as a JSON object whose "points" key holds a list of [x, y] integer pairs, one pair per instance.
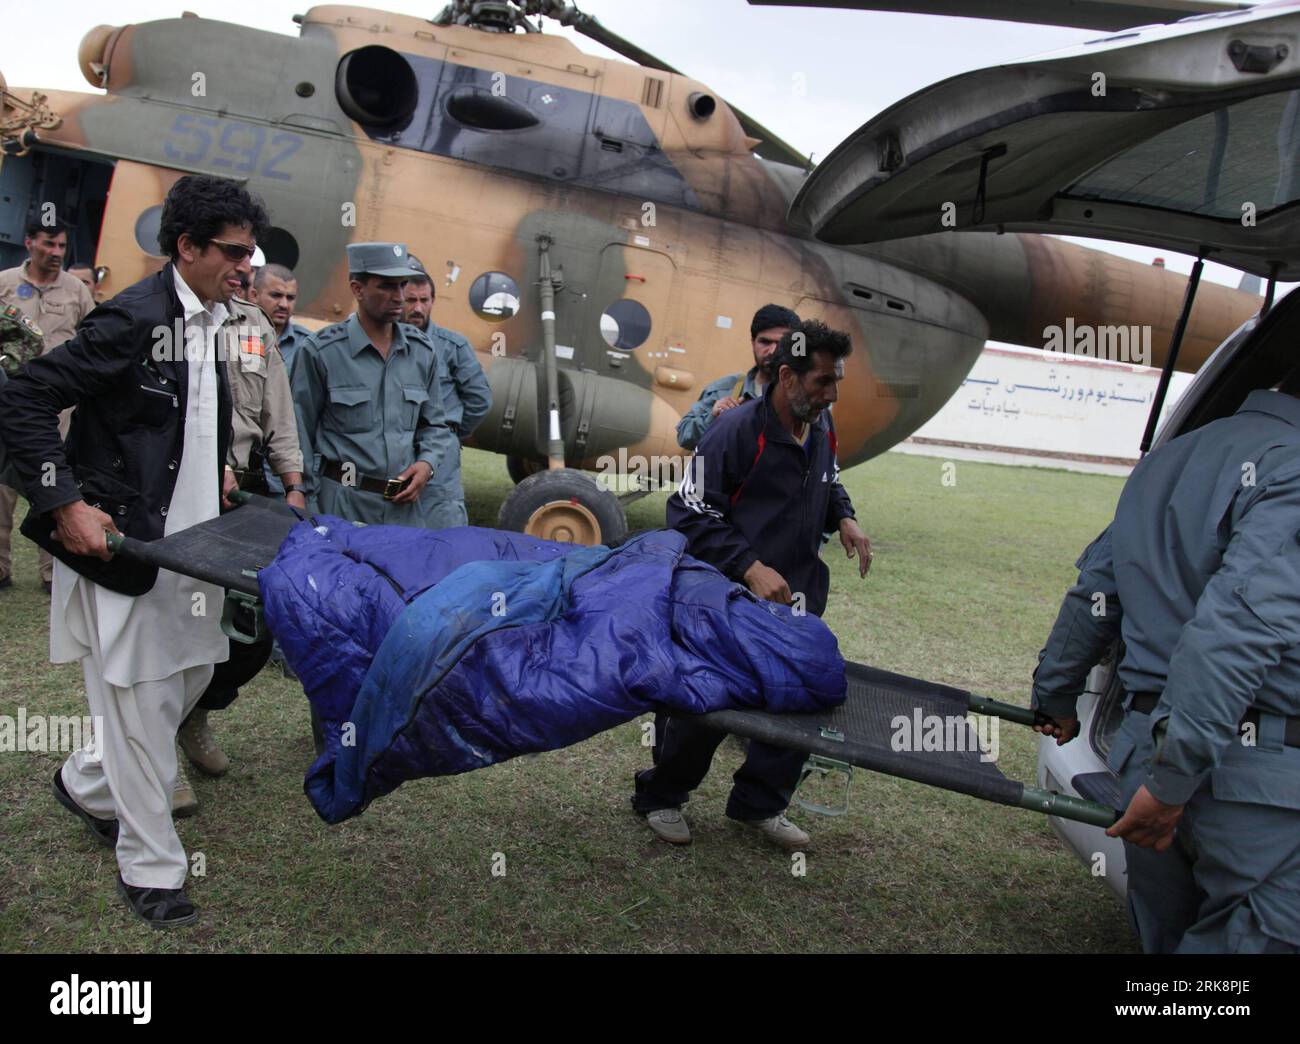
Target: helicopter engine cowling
{"points": [[95, 51]]}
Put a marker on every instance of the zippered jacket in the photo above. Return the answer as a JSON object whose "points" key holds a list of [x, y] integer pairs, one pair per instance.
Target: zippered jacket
{"points": [[752, 493]]}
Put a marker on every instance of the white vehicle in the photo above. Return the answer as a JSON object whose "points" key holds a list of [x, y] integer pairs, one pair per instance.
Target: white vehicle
{"points": [[1183, 136]]}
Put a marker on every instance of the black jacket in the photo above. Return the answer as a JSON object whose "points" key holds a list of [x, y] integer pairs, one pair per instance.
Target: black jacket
{"points": [[752, 493], [124, 448]]}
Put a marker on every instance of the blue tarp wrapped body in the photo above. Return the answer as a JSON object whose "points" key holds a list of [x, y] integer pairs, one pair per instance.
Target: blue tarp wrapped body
{"points": [[436, 652]]}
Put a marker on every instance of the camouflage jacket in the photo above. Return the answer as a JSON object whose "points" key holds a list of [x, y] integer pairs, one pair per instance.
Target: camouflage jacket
{"points": [[20, 340]]}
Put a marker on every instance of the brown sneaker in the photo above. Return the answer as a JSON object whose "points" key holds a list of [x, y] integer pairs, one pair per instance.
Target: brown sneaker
{"points": [[184, 801], [196, 740]]}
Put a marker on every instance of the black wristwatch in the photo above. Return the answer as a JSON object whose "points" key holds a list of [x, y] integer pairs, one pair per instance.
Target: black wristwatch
{"points": [[295, 487]]}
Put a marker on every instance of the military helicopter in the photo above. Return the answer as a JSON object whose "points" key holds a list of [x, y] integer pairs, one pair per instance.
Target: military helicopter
{"points": [[600, 231]]}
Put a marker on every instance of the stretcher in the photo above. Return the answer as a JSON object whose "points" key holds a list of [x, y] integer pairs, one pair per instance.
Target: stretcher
{"points": [[889, 723]]}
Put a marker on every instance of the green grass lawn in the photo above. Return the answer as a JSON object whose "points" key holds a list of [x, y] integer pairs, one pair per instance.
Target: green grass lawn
{"points": [[966, 583]]}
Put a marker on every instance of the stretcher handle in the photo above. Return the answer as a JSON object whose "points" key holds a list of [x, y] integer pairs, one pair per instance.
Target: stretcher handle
{"points": [[1037, 799], [1063, 806], [1006, 711], [117, 542]]}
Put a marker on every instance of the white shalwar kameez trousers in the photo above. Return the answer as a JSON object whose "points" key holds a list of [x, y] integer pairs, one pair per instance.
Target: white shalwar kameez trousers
{"points": [[148, 659]]}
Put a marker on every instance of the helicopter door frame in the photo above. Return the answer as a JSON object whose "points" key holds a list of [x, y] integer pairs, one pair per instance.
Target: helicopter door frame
{"points": [[82, 185], [615, 337]]}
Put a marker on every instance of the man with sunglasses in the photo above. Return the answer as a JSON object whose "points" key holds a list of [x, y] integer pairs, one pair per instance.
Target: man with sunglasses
{"points": [[144, 457], [368, 396]]}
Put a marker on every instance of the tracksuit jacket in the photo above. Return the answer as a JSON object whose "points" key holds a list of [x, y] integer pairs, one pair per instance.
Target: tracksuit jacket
{"points": [[752, 493]]}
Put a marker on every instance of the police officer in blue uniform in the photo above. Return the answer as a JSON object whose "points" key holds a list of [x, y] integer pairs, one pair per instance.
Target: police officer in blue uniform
{"points": [[467, 396], [368, 398], [1199, 575]]}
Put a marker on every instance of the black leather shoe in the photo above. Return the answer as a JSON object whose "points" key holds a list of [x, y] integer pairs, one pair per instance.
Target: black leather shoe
{"points": [[6, 581], [159, 907], [102, 830]]}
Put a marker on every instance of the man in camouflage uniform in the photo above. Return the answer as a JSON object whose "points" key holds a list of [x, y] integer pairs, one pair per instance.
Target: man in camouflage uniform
{"points": [[55, 301], [20, 340]]}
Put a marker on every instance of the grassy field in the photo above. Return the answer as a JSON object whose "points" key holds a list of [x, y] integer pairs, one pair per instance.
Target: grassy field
{"points": [[966, 583]]}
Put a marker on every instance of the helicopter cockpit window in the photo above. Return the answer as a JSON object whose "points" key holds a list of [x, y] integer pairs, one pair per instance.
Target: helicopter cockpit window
{"points": [[483, 110], [376, 87], [625, 324], [494, 296], [146, 230]]}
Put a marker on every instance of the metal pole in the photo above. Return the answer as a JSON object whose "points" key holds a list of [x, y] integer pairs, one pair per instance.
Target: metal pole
{"points": [[1270, 290], [1176, 342], [555, 440], [998, 709], [1049, 802], [1063, 806]]}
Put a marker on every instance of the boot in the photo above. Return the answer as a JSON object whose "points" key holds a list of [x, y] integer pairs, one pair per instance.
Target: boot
{"points": [[184, 801], [196, 740]]}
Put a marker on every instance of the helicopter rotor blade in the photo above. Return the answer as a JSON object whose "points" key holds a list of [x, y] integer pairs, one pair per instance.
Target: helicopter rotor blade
{"points": [[1108, 15]]}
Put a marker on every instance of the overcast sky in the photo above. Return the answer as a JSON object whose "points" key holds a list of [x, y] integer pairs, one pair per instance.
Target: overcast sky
{"points": [[812, 76]]}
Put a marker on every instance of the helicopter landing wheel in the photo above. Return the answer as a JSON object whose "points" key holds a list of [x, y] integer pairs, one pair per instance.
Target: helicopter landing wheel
{"points": [[521, 467], [566, 506]]}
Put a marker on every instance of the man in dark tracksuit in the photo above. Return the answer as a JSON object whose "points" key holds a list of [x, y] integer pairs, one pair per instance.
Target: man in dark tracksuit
{"points": [[760, 493]]}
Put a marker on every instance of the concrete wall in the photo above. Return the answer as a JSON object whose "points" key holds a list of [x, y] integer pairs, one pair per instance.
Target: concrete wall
{"points": [[1029, 407]]}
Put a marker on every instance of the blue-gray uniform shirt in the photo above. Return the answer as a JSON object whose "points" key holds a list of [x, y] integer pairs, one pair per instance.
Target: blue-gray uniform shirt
{"points": [[353, 406], [289, 341], [1200, 575], [467, 396], [691, 428]]}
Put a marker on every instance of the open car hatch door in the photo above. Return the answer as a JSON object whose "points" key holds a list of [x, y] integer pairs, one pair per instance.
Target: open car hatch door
{"points": [[1182, 137]]}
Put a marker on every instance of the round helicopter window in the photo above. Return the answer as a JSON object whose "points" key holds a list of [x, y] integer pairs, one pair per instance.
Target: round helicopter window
{"points": [[146, 230], [494, 296], [625, 324], [281, 248]]}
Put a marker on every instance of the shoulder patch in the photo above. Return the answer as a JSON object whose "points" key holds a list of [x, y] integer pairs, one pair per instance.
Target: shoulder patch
{"points": [[333, 332], [417, 336], [453, 336]]}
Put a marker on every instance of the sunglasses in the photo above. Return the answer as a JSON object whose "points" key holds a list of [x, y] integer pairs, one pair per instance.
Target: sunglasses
{"points": [[234, 251]]}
